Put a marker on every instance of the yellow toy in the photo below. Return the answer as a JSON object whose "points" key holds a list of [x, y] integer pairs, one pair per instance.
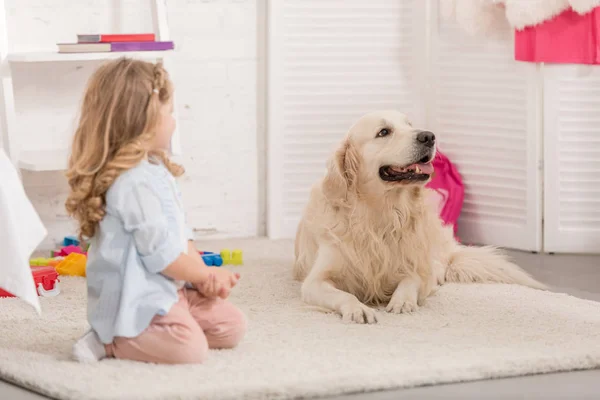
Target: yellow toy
{"points": [[38, 262], [226, 256], [236, 257], [73, 264]]}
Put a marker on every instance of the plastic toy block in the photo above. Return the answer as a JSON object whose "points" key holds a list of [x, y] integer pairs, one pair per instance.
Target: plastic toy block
{"points": [[46, 281], [226, 256], [65, 251], [38, 262], [236, 257], [217, 260], [70, 241], [211, 259], [207, 260], [53, 262], [74, 264]]}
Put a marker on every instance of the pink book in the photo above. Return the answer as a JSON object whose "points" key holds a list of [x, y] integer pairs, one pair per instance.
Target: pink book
{"points": [[110, 38]]}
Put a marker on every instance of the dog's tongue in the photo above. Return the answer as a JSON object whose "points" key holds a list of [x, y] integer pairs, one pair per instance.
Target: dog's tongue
{"points": [[425, 168]]}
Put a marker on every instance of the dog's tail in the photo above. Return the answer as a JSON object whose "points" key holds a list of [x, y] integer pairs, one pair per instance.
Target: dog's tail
{"points": [[486, 265]]}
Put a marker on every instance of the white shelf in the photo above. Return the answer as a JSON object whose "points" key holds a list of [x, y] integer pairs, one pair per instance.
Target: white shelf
{"points": [[44, 160], [20, 150], [52, 56]]}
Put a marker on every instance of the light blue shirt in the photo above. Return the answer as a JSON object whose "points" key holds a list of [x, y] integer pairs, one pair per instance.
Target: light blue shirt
{"points": [[142, 232]]}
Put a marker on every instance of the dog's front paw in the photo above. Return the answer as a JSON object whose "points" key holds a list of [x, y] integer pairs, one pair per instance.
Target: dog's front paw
{"points": [[401, 306], [439, 272], [359, 313], [405, 297]]}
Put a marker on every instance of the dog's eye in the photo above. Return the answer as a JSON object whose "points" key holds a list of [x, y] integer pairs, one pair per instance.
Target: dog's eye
{"points": [[383, 133]]}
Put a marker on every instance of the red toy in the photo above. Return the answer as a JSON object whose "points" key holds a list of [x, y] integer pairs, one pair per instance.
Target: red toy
{"points": [[46, 282]]}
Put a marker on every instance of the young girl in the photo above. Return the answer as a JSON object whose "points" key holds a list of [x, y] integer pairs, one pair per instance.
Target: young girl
{"points": [[150, 296]]}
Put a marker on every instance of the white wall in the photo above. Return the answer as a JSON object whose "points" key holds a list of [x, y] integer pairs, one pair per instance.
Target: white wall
{"points": [[215, 71]]}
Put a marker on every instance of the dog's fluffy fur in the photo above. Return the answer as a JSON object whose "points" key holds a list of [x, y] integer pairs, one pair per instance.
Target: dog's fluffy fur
{"points": [[365, 241]]}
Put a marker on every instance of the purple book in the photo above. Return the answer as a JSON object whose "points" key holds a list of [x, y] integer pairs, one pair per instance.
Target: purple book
{"points": [[141, 46]]}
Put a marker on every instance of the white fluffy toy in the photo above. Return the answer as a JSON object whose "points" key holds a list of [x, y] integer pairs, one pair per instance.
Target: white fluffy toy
{"points": [[493, 17]]}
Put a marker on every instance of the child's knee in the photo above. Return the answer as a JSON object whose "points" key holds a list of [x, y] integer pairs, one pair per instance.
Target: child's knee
{"points": [[239, 328], [235, 329], [184, 345]]}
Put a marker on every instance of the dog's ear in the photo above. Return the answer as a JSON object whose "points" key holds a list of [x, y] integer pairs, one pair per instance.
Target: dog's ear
{"points": [[342, 171]]}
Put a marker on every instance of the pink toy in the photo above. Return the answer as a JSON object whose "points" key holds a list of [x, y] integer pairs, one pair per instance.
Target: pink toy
{"points": [[447, 183], [65, 251]]}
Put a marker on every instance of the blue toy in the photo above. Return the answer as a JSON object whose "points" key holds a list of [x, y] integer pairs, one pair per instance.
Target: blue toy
{"points": [[70, 241], [211, 259]]}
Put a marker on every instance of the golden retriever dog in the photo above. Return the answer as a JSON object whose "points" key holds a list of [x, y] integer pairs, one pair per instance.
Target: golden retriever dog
{"points": [[369, 237]]}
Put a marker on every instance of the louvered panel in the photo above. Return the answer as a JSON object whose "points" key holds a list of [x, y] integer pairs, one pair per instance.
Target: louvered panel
{"points": [[329, 63], [483, 106], [572, 154]]}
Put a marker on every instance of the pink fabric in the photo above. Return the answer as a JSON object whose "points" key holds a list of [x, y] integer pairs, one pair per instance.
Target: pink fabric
{"points": [[568, 38], [184, 335], [447, 182]]}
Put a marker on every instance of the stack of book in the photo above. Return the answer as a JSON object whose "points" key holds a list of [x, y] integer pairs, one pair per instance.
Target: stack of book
{"points": [[115, 43]]}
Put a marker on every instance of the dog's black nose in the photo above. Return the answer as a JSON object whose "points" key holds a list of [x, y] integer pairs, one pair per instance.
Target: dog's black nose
{"points": [[427, 138]]}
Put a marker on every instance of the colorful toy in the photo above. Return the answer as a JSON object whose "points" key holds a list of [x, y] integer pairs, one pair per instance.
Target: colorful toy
{"points": [[53, 262], [73, 264], [46, 282], [40, 261], [45, 262], [65, 251], [70, 241], [236, 257], [211, 259], [226, 256]]}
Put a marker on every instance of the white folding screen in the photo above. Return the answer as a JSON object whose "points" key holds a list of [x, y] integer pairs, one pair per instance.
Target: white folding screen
{"points": [[572, 159], [329, 63], [484, 107]]}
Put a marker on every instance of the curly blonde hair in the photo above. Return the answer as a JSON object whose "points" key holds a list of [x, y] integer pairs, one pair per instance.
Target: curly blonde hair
{"points": [[119, 115]]}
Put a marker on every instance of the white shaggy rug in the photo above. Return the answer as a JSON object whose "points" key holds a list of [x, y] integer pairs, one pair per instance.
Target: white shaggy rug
{"points": [[464, 332]]}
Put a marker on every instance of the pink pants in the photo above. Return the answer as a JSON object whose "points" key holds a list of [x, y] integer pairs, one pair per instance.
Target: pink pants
{"points": [[183, 336]]}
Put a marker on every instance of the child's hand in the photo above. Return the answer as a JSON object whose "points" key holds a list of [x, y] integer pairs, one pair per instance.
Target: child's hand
{"points": [[218, 283]]}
